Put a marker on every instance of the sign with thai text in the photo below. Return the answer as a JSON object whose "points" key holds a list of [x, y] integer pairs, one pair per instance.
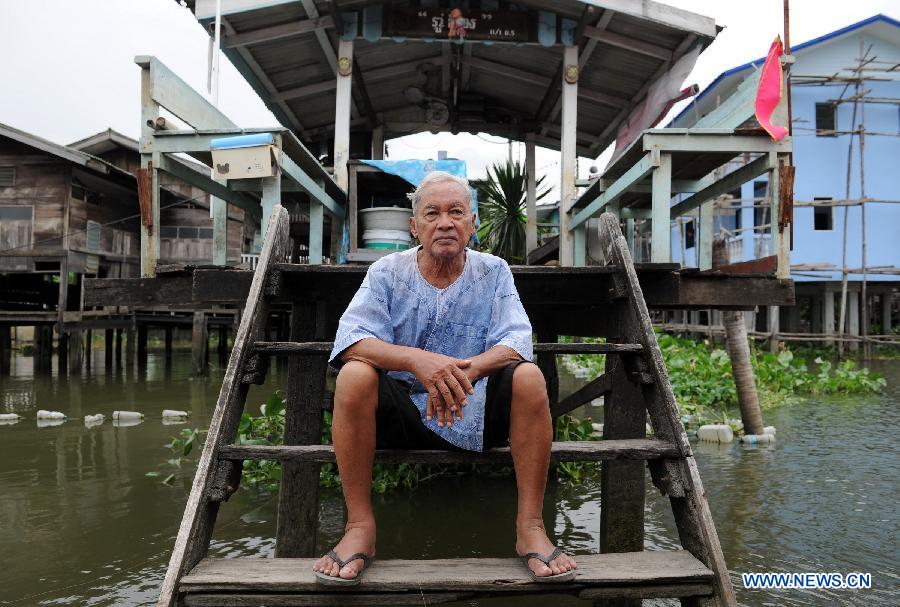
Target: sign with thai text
{"points": [[458, 25]]}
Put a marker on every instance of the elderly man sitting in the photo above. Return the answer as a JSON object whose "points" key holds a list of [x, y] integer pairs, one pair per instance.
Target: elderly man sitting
{"points": [[433, 353]]}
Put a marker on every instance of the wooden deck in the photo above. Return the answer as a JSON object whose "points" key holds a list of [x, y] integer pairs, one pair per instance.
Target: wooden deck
{"points": [[256, 582]]}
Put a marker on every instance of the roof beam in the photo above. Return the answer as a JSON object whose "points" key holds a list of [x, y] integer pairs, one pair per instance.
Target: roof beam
{"points": [[280, 109], [206, 9], [277, 32], [628, 43], [545, 113]]}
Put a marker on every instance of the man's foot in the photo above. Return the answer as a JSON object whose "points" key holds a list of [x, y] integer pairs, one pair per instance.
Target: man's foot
{"points": [[533, 538], [358, 537]]}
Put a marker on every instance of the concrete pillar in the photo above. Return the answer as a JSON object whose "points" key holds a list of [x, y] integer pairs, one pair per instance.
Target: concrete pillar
{"points": [[199, 344], [378, 142], [853, 318], [150, 224], [76, 351], [130, 346], [223, 344], [118, 347], [660, 218], [568, 154], [531, 233], [828, 315], [816, 309]]}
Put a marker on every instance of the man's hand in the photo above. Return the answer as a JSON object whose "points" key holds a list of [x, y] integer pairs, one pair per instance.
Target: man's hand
{"points": [[447, 383]]}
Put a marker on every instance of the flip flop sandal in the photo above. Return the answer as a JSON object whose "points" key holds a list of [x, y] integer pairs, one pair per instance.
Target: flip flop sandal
{"points": [[331, 580], [545, 559]]}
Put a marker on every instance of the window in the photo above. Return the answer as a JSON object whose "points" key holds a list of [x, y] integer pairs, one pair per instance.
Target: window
{"points": [[7, 176], [168, 232], [15, 227], [186, 232], [760, 203], [825, 119], [93, 236], [823, 216], [689, 234]]}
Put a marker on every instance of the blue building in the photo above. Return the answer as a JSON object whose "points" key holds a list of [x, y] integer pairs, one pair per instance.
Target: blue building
{"points": [[842, 83]]}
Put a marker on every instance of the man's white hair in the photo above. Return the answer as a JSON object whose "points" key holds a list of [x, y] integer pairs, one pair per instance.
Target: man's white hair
{"points": [[436, 177]]}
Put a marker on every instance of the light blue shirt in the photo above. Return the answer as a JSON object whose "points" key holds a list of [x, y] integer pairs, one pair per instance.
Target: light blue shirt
{"points": [[480, 310]]}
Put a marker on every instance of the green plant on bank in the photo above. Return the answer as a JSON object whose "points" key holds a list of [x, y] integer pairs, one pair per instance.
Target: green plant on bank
{"points": [[704, 386], [268, 429], [501, 209]]}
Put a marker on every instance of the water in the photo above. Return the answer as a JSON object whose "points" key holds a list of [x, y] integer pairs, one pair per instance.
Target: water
{"points": [[82, 524]]}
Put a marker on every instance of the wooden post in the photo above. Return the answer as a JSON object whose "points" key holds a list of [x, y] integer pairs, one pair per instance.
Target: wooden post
{"points": [[271, 197], [342, 104], [378, 142], [88, 348], [774, 327], [531, 234], [629, 238], [828, 314], [62, 352], [223, 344], [198, 344], [853, 318], [108, 337], [886, 313], [118, 347], [76, 351], [660, 222], [130, 346], [142, 346], [316, 227], [298, 499], [219, 211], [149, 199], [622, 491], [168, 341], [5, 350], [568, 154], [705, 247]]}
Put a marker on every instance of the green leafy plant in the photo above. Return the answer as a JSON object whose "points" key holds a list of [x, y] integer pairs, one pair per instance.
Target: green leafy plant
{"points": [[501, 208]]}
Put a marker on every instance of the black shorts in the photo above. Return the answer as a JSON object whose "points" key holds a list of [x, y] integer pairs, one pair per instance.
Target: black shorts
{"points": [[399, 424]]}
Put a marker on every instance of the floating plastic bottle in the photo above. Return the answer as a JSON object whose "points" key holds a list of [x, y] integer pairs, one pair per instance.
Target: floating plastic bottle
{"points": [[129, 415], [716, 433], [769, 430], [44, 414], [754, 439], [172, 413], [9, 418], [94, 420]]}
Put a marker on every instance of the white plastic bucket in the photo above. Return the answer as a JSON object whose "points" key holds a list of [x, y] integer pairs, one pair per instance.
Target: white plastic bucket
{"points": [[385, 218], [392, 240]]}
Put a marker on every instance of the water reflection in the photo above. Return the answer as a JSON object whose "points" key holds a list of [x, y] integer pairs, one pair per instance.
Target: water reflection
{"points": [[82, 524]]}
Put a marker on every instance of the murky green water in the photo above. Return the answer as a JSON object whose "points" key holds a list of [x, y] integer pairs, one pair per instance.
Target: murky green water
{"points": [[81, 524]]}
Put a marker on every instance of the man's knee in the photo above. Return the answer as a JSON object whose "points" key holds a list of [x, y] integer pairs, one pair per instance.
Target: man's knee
{"points": [[356, 379], [529, 384]]}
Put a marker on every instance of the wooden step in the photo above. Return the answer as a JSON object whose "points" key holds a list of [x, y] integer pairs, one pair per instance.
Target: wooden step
{"points": [[562, 451], [324, 347], [283, 582]]}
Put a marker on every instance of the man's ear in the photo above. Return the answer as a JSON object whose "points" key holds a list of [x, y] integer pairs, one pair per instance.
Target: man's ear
{"points": [[412, 226]]}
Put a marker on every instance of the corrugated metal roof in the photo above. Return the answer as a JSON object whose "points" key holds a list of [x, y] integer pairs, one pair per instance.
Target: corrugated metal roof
{"points": [[505, 89]]}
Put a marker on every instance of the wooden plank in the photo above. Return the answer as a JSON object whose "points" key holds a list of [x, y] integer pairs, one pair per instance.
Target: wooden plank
{"points": [[458, 575], [647, 592], [277, 32], [195, 530], [693, 518], [594, 389], [139, 291], [562, 451], [668, 140], [722, 186], [324, 347], [635, 174], [174, 94], [338, 599]]}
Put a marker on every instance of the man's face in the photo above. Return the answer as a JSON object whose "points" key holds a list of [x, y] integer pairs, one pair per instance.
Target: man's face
{"points": [[443, 220]]}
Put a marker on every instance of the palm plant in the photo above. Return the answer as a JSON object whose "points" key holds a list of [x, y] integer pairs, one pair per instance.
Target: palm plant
{"points": [[501, 207]]}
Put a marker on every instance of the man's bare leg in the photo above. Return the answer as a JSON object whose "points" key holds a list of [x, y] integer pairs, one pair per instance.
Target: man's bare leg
{"points": [[353, 434], [530, 438]]}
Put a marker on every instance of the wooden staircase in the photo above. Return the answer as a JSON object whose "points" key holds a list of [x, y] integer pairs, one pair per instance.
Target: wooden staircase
{"points": [[636, 384]]}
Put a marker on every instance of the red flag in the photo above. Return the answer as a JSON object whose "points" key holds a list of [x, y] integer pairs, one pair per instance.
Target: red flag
{"points": [[771, 83]]}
